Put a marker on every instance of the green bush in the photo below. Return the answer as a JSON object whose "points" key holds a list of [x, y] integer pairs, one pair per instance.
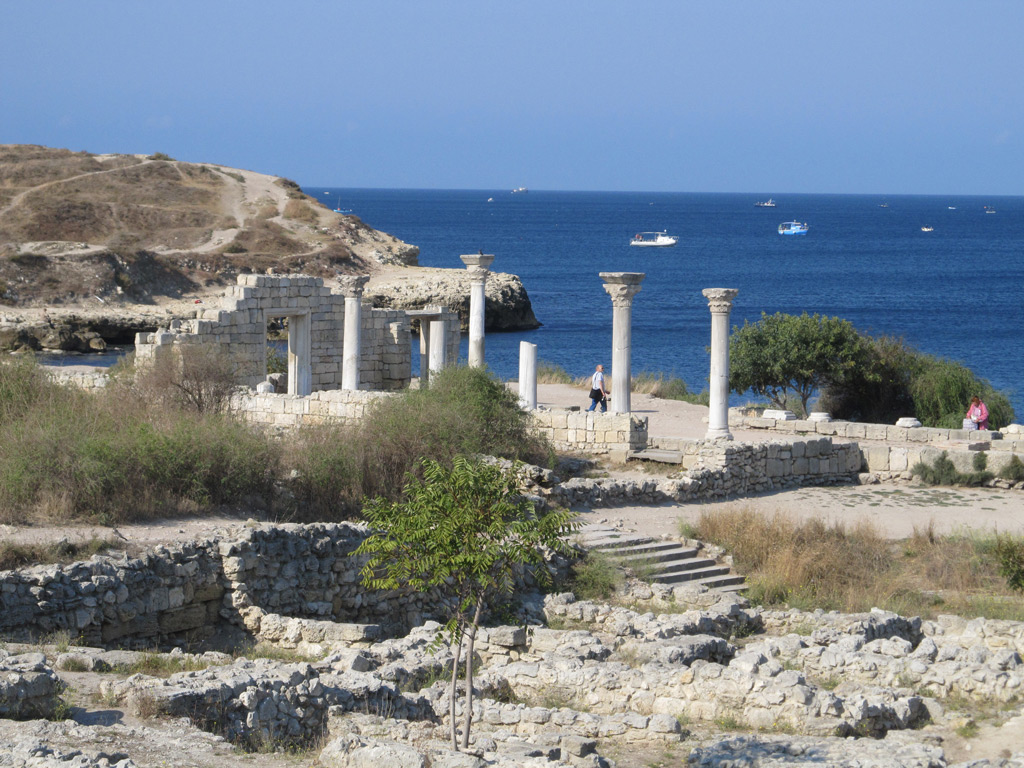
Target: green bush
{"points": [[893, 380], [943, 472], [464, 411], [1014, 470], [1009, 553], [596, 577]]}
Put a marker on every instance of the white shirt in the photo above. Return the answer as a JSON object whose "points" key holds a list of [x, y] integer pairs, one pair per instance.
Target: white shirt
{"points": [[597, 382]]}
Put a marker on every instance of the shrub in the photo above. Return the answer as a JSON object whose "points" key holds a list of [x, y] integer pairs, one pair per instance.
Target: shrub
{"points": [[1014, 470], [1009, 552], [943, 472], [121, 457], [160, 156], [465, 411], [894, 380], [300, 211], [200, 377], [596, 577], [549, 373]]}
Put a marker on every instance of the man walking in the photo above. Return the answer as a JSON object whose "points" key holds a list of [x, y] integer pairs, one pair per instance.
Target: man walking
{"points": [[598, 394]]}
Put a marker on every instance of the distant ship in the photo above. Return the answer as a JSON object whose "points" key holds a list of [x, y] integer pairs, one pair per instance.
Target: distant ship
{"points": [[517, 190], [769, 203], [927, 229]]}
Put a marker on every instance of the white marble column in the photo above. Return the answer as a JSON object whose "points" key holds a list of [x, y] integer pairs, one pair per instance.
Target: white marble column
{"points": [[720, 303], [477, 264], [351, 287], [527, 375], [622, 287], [300, 358], [438, 345]]}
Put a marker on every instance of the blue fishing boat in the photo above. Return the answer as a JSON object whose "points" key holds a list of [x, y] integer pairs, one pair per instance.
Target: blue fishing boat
{"points": [[792, 228]]}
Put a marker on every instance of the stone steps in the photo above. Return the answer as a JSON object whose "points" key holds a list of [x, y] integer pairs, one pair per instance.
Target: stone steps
{"points": [[659, 560]]}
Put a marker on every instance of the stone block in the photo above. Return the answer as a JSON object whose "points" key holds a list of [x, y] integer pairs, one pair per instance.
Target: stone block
{"points": [[876, 457]]}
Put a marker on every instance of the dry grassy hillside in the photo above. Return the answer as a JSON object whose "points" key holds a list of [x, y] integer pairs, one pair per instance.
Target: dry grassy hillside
{"points": [[75, 225]]}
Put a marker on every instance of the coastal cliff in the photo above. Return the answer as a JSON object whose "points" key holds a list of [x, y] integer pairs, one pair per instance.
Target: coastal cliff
{"points": [[94, 248]]}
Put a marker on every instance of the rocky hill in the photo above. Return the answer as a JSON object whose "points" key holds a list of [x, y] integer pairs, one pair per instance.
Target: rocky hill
{"points": [[110, 244]]}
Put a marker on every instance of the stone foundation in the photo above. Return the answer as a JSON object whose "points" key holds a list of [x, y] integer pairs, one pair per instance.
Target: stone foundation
{"points": [[611, 434]]}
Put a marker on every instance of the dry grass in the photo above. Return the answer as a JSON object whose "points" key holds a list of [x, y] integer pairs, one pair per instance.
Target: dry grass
{"points": [[14, 555], [817, 565]]}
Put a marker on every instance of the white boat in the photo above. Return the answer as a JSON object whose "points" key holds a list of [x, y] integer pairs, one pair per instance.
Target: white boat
{"points": [[490, 199], [927, 229], [792, 228], [769, 203], [519, 190], [654, 239], [989, 210]]}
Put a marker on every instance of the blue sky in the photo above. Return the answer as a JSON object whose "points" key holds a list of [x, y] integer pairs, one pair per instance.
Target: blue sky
{"points": [[911, 96]]}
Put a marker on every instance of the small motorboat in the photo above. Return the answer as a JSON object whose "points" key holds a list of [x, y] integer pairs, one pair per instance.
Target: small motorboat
{"points": [[989, 210], [519, 190], [769, 203], [927, 229], [793, 228], [654, 239]]}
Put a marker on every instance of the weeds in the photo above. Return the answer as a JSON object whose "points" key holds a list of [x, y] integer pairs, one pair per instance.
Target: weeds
{"points": [[943, 472], [596, 576], [813, 565], [14, 555]]}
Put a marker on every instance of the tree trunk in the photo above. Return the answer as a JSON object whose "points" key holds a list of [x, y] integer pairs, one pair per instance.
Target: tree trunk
{"points": [[452, 688], [471, 638]]}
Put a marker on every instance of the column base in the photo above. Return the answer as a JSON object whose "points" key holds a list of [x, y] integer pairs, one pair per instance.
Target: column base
{"points": [[718, 434]]}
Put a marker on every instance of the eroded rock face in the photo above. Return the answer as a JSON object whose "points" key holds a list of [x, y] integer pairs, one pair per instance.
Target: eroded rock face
{"points": [[508, 307]]}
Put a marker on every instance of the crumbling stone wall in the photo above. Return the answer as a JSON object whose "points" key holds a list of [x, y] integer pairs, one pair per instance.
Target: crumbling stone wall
{"points": [[240, 324], [178, 594]]}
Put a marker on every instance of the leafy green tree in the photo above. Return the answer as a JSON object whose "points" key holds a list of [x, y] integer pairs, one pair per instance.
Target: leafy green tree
{"points": [[468, 532], [782, 354]]}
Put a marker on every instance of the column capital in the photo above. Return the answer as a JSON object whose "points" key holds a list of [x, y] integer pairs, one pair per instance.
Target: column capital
{"points": [[622, 286], [478, 261], [351, 286], [720, 299]]}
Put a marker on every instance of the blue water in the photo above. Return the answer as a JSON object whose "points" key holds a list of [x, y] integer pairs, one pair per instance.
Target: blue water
{"points": [[957, 292]]}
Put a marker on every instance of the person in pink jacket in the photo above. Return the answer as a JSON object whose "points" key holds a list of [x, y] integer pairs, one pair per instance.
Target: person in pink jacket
{"points": [[978, 412]]}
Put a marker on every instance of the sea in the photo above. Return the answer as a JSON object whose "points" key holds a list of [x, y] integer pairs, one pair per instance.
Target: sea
{"points": [[956, 292]]}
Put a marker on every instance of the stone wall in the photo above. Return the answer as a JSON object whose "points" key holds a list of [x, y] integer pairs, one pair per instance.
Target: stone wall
{"points": [[90, 381], [181, 594], [335, 405], [854, 430], [614, 434]]}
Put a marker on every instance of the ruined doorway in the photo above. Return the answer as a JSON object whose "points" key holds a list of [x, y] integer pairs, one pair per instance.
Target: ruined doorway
{"points": [[297, 325]]}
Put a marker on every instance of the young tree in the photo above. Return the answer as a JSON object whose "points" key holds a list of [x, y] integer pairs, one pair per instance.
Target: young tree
{"points": [[783, 353], [468, 532]]}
